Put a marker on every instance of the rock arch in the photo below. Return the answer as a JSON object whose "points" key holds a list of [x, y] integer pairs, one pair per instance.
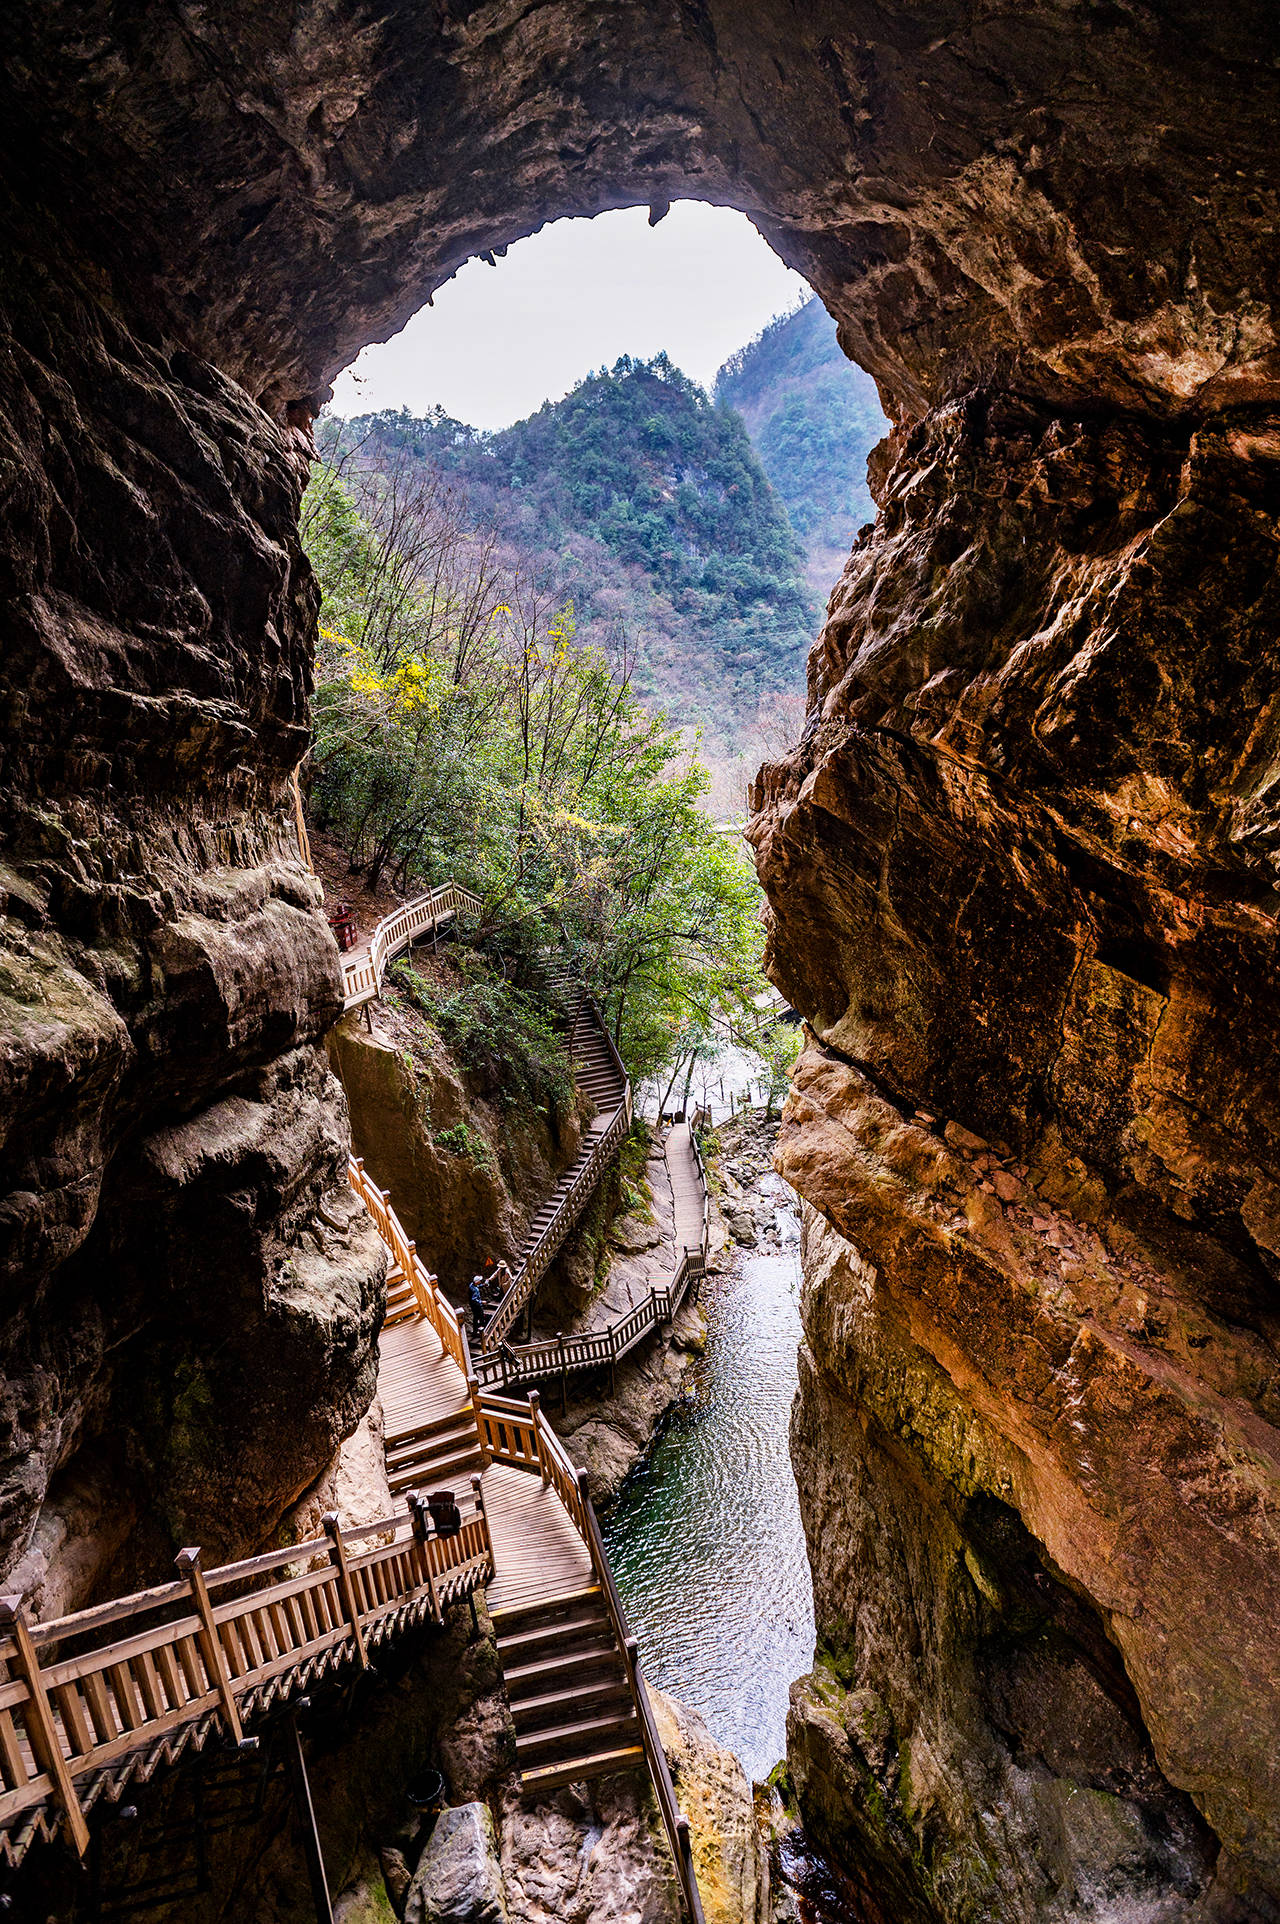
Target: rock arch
{"points": [[1042, 738]]}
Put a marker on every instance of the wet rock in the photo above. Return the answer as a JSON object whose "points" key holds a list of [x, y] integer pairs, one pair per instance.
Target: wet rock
{"points": [[396, 1875], [715, 1796], [968, 1687], [459, 1879], [1098, 899], [354, 1486], [594, 1853], [742, 1226]]}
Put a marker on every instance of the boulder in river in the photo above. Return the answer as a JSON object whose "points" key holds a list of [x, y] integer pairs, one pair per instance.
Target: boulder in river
{"points": [[459, 1880]]}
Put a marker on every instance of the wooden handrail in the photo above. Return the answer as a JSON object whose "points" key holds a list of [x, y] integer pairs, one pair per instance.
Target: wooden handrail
{"points": [[83, 1708], [362, 979], [520, 1436], [674, 1820], [430, 1298], [500, 1363], [541, 1253], [80, 1710]]}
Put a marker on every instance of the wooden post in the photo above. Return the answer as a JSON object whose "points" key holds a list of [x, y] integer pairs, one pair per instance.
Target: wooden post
{"points": [[477, 1493], [564, 1376], [422, 1536], [485, 1453], [338, 1557], [535, 1404], [613, 1362], [307, 1818], [188, 1562], [41, 1728]]}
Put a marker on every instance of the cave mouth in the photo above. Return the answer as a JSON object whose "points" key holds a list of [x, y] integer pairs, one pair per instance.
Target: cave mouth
{"points": [[210, 212], [582, 390], [519, 324]]}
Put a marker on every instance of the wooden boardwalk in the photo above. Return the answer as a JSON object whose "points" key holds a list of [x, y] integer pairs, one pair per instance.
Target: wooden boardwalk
{"points": [[606, 1341], [598, 1070], [688, 1186], [103, 1698], [364, 966], [417, 1382], [538, 1555]]}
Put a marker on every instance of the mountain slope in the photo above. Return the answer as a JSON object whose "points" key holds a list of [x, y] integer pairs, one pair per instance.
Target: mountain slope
{"points": [[813, 418], [647, 504]]}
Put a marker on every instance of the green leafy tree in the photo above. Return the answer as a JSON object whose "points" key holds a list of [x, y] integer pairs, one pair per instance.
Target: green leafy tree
{"points": [[463, 728]]}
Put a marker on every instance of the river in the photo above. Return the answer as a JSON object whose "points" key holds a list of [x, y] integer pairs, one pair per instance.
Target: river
{"points": [[706, 1541]]}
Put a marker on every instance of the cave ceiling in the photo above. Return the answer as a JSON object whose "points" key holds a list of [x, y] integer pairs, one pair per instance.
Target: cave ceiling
{"points": [[1078, 200]]}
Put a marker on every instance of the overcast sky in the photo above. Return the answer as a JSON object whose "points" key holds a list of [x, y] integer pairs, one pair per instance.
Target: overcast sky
{"points": [[501, 340]]}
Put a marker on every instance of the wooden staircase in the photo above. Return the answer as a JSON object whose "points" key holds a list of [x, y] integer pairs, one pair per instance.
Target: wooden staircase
{"points": [[435, 1454], [402, 1304], [570, 1697], [594, 1067], [598, 1069]]}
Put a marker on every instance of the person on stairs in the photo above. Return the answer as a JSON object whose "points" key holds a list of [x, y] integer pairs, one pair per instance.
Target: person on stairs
{"points": [[502, 1280], [476, 1298]]}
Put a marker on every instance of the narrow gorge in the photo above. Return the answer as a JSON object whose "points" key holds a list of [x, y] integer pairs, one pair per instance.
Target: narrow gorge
{"points": [[1022, 870]]}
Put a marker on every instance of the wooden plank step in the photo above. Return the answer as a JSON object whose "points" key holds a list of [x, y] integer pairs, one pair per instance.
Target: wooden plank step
{"points": [[448, 1440], [563, 1706], [433, 1426], [579, 1769], [394, 1316], [434, 1462], [529, 1676], [535, 1747], [441, 1474], [520, 1616], [426, 1462], [522, 1644]]}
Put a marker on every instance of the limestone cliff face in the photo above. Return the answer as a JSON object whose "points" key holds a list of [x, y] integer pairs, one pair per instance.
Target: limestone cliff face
{"points": [[1031, 825], [181, 1325], [465, 1169]]}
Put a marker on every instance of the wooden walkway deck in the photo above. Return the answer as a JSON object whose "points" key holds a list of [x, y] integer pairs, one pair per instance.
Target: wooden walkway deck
{"points": [[688, 1186], [538, 1554], [417, 1381]]}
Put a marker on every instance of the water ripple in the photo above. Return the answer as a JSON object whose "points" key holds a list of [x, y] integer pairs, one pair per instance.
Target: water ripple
{"points": [[706, 1541]]}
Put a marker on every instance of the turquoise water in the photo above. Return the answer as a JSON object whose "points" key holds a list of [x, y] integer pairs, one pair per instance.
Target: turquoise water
{"points": [[706, 1541]]}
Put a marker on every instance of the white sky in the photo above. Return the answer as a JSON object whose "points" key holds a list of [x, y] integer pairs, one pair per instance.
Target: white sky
{"points": [[501, 340]]}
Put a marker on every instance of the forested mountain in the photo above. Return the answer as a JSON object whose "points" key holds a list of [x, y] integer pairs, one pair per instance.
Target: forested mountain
{"points": [[813, 417], [646, 503]]}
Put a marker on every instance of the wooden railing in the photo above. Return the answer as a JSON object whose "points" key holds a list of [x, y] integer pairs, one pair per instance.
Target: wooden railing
{"points": [[362, 979], [431, 1300], [590, 1008], [520, 1435], [93, 1700], [539, 1257], [706, 1195], [509, 1364], [562, 1356]]}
